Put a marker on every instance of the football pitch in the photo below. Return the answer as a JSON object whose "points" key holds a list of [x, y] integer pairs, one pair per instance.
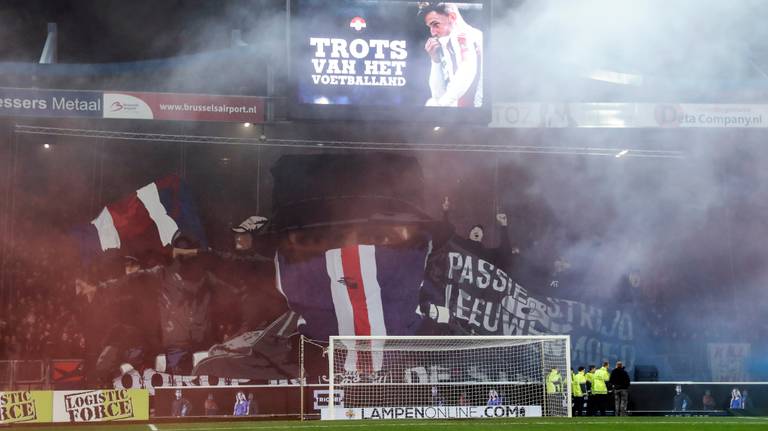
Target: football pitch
{"points": [[539, 424]]}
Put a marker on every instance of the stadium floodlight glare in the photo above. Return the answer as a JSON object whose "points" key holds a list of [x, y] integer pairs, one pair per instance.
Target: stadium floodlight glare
{"points": [[426, 377]]}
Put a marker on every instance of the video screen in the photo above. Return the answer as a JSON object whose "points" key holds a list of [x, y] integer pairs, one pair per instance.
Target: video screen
{"points": [[389, 54]]}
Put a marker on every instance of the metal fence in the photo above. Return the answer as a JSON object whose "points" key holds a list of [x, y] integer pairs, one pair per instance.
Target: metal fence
{"points": [[37, 374]]}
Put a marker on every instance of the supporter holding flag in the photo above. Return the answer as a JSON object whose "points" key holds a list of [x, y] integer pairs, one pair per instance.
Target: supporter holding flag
{"points": [[181, 296], [352, 243], [143, 221], [350, 246]]}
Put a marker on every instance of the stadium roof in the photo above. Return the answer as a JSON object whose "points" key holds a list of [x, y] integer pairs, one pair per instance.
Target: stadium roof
{"points": [[702, 51]]}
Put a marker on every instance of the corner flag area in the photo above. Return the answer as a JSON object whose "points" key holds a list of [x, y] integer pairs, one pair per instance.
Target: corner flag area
{"points": [[538, 424]]}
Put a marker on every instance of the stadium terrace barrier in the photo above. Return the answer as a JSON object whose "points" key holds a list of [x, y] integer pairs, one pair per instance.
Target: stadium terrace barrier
{"points": [[6, 375], [657, 398], [281, 401], [23, 374], [285, 399], [30, 373], [646, 399], [41, 374]]}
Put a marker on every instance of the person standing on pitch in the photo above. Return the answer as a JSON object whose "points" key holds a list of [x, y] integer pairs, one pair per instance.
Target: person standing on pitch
{"points": [[210, 406], [746, 400], [579, 392], [437, 400], [681, 402], [554, 388], [620, 382], [590, 377], [180, 406], [494, 399], [737, 402], [600, 388], [253, 406], [241, 405], [708, 401]]}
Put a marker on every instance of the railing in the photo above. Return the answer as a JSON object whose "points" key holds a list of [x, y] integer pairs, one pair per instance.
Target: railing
{"points": [[6, 374], [35, 374]]}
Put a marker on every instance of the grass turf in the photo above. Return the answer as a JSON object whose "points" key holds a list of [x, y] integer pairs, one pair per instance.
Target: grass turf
{"points": [[537, 424]]}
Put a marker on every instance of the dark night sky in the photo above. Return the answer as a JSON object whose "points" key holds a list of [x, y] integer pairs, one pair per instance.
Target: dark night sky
{"points": [[117, 30]]}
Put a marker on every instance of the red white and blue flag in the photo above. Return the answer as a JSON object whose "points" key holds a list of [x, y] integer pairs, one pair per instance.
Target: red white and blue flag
{"points": [[145, 220], [354, 290]]}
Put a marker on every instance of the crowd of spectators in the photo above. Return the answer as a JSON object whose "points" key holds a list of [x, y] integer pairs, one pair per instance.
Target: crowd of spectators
{"points": [[40, 313], [42, 310]]}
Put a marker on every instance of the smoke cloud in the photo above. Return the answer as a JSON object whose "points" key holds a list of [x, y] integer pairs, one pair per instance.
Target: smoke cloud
{"points": [[691, 228]]}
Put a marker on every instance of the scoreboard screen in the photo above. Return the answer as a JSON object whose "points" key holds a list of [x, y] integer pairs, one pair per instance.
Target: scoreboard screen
{"points": [[388, 59]]}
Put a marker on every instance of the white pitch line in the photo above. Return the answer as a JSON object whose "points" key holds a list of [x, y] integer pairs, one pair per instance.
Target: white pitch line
{"points": [[152, 427]]}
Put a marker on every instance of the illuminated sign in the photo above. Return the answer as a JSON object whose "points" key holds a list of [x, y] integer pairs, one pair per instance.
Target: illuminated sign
{"points": [[432, 412], [390, 56]]}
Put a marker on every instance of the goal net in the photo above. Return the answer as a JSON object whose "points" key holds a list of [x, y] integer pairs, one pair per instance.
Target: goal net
{"points": [[391, 377]]}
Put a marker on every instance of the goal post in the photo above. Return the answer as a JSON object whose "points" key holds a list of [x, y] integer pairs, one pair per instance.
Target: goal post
{"points": [[415, 377]]}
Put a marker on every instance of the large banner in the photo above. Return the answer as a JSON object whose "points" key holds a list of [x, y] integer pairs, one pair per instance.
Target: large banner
{"points": [[129, 105], [101, 405], [25, 407], [475, 295], [151, 379]]}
